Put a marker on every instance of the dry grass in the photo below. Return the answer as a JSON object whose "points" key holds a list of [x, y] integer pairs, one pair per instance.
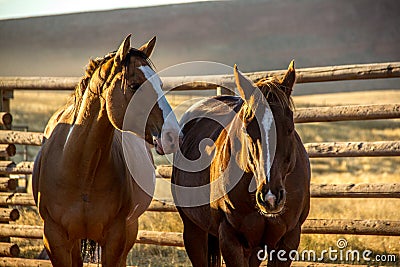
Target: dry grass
{"points": [[34, 109]]}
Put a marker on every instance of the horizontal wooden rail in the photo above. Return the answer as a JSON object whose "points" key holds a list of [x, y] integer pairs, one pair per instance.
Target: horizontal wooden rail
{"points": [[318, 114], [144, 237], [7, 150], [355, 190], [353, 149], [9, 167], [317, 191], [21, 231], [347, 113], [18, 262], [159, 206], [304, 75], [23, 262], [26, 199], [353, 227], [9, 250], [21, 138], [8, 215], [16, 199], [314, 150], [311, 226], [8, 184], [39, 83], [160, 238]]}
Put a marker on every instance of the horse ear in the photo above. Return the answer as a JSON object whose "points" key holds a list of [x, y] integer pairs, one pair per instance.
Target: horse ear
{"points": [[123, 50], [289, 79], [148, 47], [248, 92], [245, 87]]}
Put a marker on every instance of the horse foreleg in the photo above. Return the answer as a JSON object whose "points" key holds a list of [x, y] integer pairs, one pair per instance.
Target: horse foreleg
{"points": [[195, 240], [255, 260], [114, 244], [76, 254], [57, 245], [289, 242], [232, 249], [131, 234]]}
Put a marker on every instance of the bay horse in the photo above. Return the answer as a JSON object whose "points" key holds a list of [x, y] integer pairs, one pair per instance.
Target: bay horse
{"points": [[269, 200], [81, 182]]}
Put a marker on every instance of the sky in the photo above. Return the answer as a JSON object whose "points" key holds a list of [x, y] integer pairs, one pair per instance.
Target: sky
{"points": [[31, 8]]}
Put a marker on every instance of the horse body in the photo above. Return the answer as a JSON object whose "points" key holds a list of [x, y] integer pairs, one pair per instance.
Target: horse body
{"points": [[234, 222], [81, 182]]}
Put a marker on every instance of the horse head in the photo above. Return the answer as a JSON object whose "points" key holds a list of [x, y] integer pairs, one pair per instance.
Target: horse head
{"points": [[267, 135], [133, 94]]}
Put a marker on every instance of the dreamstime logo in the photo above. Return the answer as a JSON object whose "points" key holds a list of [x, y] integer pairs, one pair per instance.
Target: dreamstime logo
{"points": [[341, 243], [136, 151], [332, 254]]}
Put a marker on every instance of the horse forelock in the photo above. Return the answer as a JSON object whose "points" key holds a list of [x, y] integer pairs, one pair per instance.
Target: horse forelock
{"points": [[274, 92]]}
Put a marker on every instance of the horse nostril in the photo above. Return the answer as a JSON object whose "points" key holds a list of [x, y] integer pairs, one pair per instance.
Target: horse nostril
{"points": [[281, 195], [169, 137], [170, 141]]}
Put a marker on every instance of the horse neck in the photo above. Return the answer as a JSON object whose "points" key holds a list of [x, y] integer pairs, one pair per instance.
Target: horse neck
{"points": [[93, 128]]}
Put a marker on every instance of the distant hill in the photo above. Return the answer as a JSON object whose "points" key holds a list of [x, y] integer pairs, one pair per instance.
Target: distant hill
{"points": [[257, 35]]}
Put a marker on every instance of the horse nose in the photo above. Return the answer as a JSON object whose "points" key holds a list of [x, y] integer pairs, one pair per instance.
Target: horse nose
{"points": [[271, 202], [170, 140], [270, 199]]}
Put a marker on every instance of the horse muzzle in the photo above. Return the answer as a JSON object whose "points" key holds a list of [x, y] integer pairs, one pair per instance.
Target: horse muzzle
{"points": [[271, 203], [169, 142]]}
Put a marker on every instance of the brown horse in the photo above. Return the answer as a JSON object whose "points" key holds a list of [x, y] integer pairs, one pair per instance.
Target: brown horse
{"points": [[258, 194], [81, 181]]}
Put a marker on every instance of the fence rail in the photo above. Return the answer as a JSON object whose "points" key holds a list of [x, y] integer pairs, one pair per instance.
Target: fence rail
{"points": [[310, 226], [314, 150], [317, 190], [304, 75], [347, 113], [353, 149], [18, 262]]}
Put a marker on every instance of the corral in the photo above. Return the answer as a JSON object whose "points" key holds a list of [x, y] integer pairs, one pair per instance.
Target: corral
{"points": [[353, 148]]}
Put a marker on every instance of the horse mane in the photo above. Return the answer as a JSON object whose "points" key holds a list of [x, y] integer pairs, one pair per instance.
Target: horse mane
{"points": [[92, 66], [271, 88]]}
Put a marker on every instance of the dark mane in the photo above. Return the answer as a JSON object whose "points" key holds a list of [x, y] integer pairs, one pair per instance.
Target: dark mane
{"points": [[273, 90], [93, 65]]}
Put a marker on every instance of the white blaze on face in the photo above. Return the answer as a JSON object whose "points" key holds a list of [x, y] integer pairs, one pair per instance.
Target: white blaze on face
{"points": [[266, 122], [169, 141], [154, 79]]}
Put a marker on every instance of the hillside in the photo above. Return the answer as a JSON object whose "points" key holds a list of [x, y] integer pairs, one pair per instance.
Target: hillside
{"points": [[254, 34]]}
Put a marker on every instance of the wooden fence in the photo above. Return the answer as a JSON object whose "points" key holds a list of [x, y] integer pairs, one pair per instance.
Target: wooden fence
{"points": [[9, 139]]}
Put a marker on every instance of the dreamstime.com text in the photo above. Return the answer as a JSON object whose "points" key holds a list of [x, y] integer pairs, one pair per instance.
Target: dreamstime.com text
{"points": [[332, 254]]}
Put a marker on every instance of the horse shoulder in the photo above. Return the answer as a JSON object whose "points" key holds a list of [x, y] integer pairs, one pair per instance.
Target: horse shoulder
{"points": [[62, 115]]}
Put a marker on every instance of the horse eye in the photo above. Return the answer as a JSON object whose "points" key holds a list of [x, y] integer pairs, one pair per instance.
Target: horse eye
{"points": [[134, 86]]}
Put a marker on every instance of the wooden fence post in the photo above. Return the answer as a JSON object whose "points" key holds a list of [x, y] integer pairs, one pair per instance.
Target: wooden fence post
{"points": [[224, 91]]}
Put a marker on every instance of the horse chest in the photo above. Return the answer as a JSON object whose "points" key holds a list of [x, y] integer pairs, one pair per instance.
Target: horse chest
{"points": [[257, 229], [94, 200]]}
